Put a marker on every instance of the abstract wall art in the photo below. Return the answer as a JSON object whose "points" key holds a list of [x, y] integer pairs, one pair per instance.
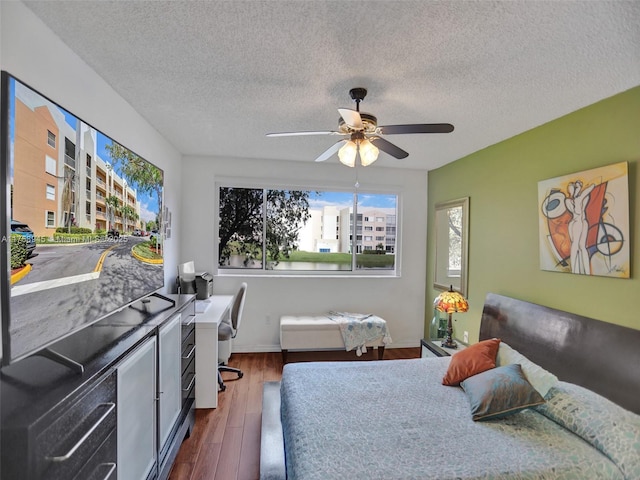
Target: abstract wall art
{"points": [[584, 222]]}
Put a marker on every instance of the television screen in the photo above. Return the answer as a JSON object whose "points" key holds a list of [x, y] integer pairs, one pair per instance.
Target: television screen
{"points": [[81, 224]]}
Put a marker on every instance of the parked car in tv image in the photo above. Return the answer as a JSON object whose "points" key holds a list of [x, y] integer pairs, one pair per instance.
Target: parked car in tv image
{"points": [[24, 230]]}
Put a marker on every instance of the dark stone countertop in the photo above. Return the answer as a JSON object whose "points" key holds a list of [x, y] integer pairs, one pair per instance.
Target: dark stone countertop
{"points": [[32, 387]]}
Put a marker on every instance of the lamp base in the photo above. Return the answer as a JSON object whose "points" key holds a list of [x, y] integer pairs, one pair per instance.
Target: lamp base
{"points": [[448, 343]]}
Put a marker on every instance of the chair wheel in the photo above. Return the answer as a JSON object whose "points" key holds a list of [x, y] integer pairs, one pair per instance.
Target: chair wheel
{"points": [[240, 374]]}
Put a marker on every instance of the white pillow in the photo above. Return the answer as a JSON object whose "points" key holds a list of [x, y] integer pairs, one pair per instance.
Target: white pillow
{"points": [[541, 379]]}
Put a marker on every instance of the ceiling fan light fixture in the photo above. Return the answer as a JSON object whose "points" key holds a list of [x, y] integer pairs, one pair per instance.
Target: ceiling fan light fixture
{"points": [[361, 133], [368, 152], [347, 153]]}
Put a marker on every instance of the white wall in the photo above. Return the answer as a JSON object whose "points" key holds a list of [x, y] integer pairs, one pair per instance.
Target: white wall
{"points": [[401, 301], [31, 52]]}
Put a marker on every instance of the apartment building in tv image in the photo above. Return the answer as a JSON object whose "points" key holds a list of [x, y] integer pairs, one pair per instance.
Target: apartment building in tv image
{"points": [[59, 178]]}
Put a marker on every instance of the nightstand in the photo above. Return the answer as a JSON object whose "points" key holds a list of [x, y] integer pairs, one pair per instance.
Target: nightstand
{"points": [[431, 347]]}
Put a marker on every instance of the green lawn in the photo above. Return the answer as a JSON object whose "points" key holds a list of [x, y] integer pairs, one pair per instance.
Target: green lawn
{"points": [[363, 260], [366, 261], [147, 250]]}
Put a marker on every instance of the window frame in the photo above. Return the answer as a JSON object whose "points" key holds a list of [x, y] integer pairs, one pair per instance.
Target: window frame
{"points": [[50, 192], [46, 219], [234, 182], [51, 136], [50, 165]]}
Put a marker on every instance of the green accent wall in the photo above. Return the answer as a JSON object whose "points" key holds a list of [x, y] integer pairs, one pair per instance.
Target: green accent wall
{"points": [[501, 182]]}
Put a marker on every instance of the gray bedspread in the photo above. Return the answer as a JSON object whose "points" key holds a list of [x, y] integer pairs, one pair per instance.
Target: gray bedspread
{"points": [[395, 420]]}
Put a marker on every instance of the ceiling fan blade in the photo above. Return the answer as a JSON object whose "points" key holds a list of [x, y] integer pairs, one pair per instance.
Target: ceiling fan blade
{"points": [[330, 151], [416, 128], [294, 134], [388, 147], [351, 118]]}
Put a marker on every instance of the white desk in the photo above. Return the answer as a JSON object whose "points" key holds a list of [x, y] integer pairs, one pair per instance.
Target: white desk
{"points": [[215, 309]]}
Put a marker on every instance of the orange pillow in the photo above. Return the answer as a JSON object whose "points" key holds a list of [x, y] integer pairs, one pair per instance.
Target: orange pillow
{"points": [[472, 360]]}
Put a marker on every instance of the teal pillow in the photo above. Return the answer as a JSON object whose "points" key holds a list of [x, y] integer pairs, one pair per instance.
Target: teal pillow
{"points": [[499, 392]]}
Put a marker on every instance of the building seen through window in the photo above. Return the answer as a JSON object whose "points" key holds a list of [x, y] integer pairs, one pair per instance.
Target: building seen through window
{"points": [[304, 230]]}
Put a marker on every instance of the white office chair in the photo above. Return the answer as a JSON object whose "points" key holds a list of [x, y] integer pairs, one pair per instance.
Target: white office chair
{"points": [[229, 329]]}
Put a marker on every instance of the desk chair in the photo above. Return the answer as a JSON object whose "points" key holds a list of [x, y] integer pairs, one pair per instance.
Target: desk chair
{"points": [[228, 330]]}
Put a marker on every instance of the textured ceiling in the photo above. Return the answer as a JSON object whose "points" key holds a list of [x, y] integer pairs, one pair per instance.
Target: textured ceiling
{"points": [[214, 77]]}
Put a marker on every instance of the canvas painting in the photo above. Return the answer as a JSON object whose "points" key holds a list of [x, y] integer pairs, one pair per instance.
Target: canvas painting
{"points": [[584, 222]]}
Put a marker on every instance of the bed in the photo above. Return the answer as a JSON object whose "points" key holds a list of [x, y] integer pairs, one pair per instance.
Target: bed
{"points": [[396, 420]]}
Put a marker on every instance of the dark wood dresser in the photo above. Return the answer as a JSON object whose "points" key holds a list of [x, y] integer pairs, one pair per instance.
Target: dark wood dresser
{"points": [[60, 424]]}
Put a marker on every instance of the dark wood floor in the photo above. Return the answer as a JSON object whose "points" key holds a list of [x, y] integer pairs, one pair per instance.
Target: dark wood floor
{"points": [[225, 442]]}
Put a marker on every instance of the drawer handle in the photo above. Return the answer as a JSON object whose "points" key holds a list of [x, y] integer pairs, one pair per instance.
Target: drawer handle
{"points": [[193, 379], [190, 353], [112, 467], [70, 453], [192, 319]]}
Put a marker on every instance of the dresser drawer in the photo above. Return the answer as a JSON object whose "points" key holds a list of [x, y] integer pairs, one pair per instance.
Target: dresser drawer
{"points": [[188, 349], [188, 385], [188, 325], [102, 466], [73, 437]]}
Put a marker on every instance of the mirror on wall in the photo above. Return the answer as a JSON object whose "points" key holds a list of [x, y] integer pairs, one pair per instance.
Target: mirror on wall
{"points": [[452, 233]]}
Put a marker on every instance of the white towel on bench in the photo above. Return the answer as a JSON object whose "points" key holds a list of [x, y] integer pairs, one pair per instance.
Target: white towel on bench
{"points": [[357, 329]]}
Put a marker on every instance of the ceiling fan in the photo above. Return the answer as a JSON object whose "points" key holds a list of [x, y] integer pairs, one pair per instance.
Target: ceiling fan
{"points": [[363, 135]]}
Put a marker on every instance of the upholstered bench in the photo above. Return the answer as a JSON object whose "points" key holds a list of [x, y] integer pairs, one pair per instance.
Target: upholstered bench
{"points": [[313, 333]]}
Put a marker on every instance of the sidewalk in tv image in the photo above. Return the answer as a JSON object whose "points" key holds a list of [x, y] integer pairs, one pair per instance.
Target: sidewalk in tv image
{"points": [[79, 282]]}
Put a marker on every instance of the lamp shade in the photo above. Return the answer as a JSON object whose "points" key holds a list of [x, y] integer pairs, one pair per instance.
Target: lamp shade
{"points": [[451, 302], [347, 153], [368, 152]]}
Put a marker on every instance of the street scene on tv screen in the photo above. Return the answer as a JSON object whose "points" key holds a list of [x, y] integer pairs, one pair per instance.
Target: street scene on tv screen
{"points": [[86, 218]]}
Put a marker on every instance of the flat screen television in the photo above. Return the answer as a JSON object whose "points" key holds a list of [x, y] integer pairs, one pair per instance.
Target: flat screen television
{"points": [[93, 208]]}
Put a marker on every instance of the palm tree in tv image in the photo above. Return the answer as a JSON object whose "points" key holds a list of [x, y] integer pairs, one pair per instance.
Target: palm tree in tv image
{"points": [[145, 178], [113, 209]]}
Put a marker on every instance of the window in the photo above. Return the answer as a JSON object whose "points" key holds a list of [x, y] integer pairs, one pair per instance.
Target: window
{"points": [[50, 165], [51, 192], [69, 153], [87, 208], [368, 229], [50, 219], [300, 230], [51, 139]]}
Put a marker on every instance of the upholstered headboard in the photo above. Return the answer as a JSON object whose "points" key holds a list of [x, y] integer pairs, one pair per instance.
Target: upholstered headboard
{"points": [[600, 356]]}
